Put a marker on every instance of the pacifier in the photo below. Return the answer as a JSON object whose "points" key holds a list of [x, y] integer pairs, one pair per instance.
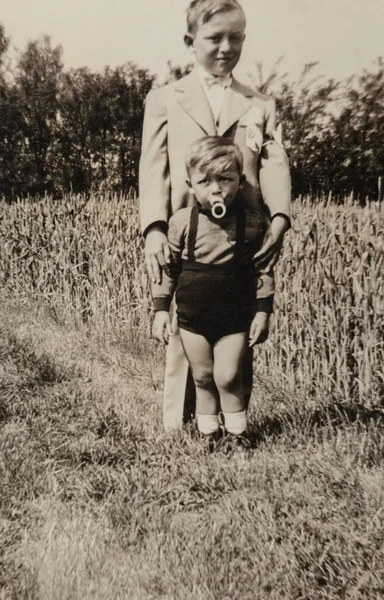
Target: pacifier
{"points": [[218, 210]]}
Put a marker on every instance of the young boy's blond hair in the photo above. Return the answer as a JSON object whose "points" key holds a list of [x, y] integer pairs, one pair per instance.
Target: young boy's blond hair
{"points": [[214, 154], [202, 11]]}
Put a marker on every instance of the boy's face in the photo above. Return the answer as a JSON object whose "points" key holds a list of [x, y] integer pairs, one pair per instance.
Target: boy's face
{"points": [[218, 43], [210, 188]]}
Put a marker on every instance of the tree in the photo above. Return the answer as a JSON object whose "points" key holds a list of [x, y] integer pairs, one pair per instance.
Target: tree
{"points": [[304, 107], [78, 119], [176, 72], [9, 123], [101, 119], [4, 43], [270, 83], [122, 107], [334, 133], [38, 76], [357, 144]]}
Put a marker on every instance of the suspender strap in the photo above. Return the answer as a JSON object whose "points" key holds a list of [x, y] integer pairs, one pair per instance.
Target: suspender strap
{"points": [[193, 232], [240, 230]]}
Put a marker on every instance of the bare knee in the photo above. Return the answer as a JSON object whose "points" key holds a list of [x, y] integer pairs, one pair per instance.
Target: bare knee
{"points": [[202, 377], [227, 379]]}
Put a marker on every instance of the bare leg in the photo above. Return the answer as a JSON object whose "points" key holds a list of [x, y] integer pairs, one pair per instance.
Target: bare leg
{"points": [[247, 371], [199, 353], [228, 355]]}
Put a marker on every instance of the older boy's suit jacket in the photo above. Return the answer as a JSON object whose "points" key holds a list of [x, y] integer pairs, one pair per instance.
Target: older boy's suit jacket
{"points": [[175, 116], [178, 114]]}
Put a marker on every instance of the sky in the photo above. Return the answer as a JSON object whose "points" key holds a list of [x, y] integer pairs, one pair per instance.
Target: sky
{"points": [[344, 36]]}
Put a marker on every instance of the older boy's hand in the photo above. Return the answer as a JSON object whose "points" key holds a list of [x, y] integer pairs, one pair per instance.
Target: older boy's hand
{"points": [[259, 330], [157, 253], [266, 258], [161, 327]]}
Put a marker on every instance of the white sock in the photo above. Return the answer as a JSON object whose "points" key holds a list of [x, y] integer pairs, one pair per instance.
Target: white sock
{"points": [[235, 423], [207, 424]]}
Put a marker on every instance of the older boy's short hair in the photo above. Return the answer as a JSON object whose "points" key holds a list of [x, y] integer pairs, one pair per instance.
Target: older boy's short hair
{"points": [[214, 155], [201, 11]]}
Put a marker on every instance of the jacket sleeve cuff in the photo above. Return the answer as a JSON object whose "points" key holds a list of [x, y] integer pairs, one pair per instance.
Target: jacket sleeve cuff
{"points": [[288, 220], [162, 303], [162, 225], [264, 305]]}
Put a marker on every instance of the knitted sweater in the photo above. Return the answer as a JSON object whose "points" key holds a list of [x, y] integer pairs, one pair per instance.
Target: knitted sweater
{"points": [[215, 245]]}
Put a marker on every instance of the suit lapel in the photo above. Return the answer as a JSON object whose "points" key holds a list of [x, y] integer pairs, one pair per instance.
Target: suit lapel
{"points": [[192, 98], [235, 105]]}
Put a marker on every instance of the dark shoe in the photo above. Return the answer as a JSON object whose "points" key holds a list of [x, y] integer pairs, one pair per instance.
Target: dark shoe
{"points": [[210, 440], [236, 444]]}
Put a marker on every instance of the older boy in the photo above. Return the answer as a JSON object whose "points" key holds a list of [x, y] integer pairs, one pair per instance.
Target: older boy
{"points": [[208, 101]]}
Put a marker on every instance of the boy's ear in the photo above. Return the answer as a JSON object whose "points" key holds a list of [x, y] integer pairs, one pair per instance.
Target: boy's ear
{"points": [[188, 41], [187, 181], [242, 180]]}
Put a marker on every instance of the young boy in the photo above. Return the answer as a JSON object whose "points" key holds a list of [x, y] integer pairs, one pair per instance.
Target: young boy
{"points": [[223, 303], [208, 101]]}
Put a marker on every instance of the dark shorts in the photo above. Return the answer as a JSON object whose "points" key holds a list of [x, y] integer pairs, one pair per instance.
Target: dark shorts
{"points": [[215, 300]]}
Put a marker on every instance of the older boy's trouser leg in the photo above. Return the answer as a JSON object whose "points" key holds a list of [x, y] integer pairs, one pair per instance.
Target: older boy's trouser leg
{"points": [[179, 390]]}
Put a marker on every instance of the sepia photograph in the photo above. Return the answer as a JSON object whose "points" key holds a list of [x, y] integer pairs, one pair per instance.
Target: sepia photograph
{"points": [[191, 300]]}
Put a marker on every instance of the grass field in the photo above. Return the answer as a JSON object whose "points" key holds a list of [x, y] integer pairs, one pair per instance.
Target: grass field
{"points": [[97, 502]]}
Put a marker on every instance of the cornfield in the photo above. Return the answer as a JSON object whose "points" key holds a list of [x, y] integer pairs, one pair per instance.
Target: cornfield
{"points": [[85, 257]]}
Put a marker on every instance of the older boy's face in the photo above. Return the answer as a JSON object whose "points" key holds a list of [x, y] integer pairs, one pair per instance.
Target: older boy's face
{"points": [[218, 43]]}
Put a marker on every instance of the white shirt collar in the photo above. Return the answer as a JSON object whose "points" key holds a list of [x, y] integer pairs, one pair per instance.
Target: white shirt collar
{"points": [[207, 79]]}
